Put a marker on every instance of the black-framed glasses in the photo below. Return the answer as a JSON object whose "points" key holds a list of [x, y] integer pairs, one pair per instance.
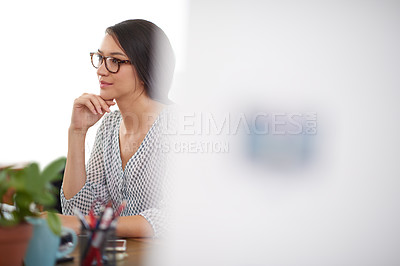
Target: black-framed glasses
{"points": [[112, 64]]}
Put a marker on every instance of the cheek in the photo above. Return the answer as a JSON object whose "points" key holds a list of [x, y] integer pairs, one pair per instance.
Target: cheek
{"points": [[127, 79], [127, 83]]}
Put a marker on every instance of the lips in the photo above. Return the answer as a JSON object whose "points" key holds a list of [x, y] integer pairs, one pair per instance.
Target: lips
{"points": [[104, 84]]}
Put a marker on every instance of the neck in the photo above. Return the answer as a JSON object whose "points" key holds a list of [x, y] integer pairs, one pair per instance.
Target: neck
{"points": [[138, 113]]}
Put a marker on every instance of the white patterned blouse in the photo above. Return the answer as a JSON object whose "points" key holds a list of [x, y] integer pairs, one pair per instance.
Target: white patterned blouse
{"points": [[141, 183]]}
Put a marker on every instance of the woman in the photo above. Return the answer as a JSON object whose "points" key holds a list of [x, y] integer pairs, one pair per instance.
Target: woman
{"points": [[134, 66]]}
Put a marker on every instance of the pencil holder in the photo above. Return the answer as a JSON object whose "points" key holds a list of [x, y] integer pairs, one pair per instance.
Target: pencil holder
{"points": [[91, 249]]}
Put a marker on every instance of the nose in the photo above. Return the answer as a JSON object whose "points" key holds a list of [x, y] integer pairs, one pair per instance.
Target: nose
{"points": [[102, 70]]}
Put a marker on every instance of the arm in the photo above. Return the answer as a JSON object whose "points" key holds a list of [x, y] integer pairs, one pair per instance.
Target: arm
{"points": [[75, 171], [127, 226], [87, 110], [88, 182], [134, 226], [80, 185]]}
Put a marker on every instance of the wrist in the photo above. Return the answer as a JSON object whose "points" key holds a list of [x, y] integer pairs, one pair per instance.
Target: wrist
{"points": [[78, 131]]}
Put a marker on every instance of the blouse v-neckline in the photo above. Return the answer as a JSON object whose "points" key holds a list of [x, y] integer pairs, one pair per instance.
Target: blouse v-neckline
{"points": [[117, 130]]}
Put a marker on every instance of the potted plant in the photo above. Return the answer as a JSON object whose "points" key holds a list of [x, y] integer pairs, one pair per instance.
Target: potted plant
{"points": [[31, 192]]}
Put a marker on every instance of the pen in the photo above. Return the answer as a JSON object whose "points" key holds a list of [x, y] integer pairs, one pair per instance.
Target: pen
{"points": [[93, 227], [99, 235], [106, 222], [81, 218]]}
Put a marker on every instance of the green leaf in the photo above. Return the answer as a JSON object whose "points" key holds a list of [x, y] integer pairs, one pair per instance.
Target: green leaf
{"points": [[32, 170], [13, 220], [31, 186], [45, 199], [23, 201], [54, 223], [17, 180], [3, 175], [32, 180], [3, 189], [5, 222], [53, 171]]}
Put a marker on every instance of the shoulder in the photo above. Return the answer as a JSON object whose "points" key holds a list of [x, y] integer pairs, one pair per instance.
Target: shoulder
{"points": [[166, 121], [166, 116], [168, 112]]}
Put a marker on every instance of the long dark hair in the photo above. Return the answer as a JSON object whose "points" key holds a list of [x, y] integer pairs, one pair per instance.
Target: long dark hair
{"points": [[150, 52]]}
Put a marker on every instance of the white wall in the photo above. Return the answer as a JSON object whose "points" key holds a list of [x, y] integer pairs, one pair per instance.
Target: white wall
{"points": [[45, 65]]}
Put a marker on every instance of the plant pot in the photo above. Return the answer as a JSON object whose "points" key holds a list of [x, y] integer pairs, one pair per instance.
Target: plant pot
{"points": [[13, 243], [44, 246]]}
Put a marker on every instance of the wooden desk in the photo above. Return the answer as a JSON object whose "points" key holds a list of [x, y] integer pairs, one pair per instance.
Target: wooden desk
{"points": [[136, 248]]}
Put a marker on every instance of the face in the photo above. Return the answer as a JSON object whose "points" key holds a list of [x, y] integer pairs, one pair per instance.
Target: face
{"points": [[124, 83]]}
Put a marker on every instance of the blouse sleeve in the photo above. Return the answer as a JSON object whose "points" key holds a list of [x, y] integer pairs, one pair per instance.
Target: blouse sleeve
{"points": [[157, 216], [95, 185], [162, 171]]}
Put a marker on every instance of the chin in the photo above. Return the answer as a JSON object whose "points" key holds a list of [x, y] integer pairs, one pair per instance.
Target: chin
{"points": [[105, 95]]}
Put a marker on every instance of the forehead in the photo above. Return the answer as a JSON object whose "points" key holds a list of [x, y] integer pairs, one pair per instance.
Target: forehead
{"points": [[110, 46]]}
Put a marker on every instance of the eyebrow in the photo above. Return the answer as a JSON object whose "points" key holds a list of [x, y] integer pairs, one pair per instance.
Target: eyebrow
{"points": [[114, 53]]}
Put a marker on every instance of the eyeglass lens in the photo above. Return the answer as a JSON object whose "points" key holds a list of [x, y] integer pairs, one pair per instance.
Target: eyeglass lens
{"points": [[111, 63]]}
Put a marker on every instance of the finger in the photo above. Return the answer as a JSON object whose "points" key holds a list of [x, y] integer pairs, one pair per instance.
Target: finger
{"points": [[103, 104], [85, 101], [90, 106], [96, 103], [110, 102]]}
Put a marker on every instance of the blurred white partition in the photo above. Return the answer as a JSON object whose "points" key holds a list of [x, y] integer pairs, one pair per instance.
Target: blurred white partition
{"points": [[340, 205]]}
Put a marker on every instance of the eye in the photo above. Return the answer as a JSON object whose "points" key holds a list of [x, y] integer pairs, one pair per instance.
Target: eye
{"points": [[98, 58], [114, 60]]}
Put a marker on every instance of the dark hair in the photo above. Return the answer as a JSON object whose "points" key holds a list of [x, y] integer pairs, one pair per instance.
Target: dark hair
{"points": [[150, 52]]}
